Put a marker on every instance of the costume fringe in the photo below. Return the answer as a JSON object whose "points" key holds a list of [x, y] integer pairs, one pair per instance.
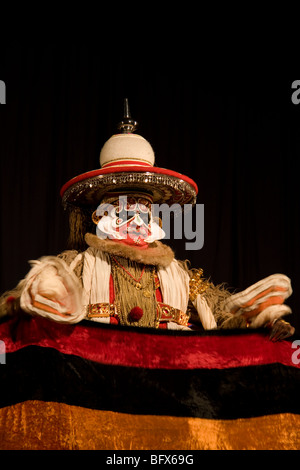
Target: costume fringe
{"points": [[128, 297], [216, 297], [156, 254], [80, 222]]}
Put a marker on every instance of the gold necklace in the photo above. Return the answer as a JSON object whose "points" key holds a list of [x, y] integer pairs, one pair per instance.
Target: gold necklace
{"points": [[135, 282]]}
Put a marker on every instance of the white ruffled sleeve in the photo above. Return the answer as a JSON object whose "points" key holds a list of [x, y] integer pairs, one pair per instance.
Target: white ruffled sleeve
{"points": [[52, 290]]}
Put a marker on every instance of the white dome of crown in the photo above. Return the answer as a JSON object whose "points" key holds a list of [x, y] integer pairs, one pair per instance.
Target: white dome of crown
{"points": [[127, 148]]}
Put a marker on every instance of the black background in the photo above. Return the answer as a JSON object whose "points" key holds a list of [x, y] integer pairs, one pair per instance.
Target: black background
{"points": [[236, 134]]}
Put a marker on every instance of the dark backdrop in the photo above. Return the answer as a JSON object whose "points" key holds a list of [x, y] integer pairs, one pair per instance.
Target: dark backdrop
{"points": [[235, 134]]}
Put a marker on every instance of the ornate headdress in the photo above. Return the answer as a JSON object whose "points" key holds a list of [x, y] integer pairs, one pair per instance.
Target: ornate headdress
{"points": [[126, 164]]}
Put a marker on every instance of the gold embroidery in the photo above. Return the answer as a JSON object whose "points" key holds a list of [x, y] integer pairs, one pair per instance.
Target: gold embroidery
{"points": [[165, 312], [168, 313], [197, 284], [100, 310]]}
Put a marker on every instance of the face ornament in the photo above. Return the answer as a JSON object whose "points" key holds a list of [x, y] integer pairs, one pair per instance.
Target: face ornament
{"points": [[128, 219]]}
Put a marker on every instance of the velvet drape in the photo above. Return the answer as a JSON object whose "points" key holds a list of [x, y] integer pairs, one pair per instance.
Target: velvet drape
{"points": [[93, 386]]}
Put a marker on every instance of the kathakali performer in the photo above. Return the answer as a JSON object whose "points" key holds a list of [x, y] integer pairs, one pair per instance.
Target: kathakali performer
{"points": [[117, 270]]}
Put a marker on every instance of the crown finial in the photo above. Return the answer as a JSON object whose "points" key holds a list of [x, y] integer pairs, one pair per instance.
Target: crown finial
{"points": [[127, 125]]}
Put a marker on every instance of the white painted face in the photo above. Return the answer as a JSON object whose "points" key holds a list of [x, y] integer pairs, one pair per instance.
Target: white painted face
{"points": [[129, 218]]}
